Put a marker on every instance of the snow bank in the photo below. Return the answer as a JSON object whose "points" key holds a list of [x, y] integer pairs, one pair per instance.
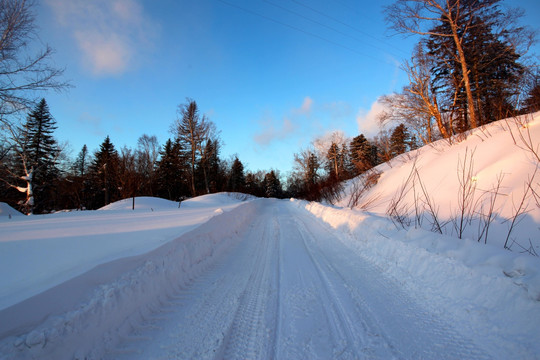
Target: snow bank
{"points": [[99, 306], [8, 211], [142, 203], [41, 251], [499, 289]]}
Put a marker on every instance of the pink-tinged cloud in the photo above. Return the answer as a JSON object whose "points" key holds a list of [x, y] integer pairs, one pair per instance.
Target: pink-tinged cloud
{"points": [[368, 122], [306, 107], [272, 131]]}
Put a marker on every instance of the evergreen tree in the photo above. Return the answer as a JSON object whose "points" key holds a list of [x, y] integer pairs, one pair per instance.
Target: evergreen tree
{"points": [[363, 154], [254, 185], [272, 185], [532, 102], [492, 62], [399, 140], [192, 131], [41, 152], [336, 161], [81, 163], [237, 179], [104, 173], [171, 172]]}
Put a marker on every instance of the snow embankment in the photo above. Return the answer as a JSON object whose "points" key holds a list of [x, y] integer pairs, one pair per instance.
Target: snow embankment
{"points": [[484, 174], [8, 211], [100, 305], [499, 289], [41, 251]]}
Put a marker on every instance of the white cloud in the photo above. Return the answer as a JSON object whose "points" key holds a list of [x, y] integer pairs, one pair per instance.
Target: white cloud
{"points": [[368, 122], [111, 34], [273, 130]]}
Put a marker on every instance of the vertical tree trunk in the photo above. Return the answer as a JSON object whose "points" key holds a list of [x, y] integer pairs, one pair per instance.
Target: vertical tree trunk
{"points": [[464, 68]]}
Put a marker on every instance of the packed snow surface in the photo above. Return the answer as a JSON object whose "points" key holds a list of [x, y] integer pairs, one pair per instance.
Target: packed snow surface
{"points": [[272, 279]]}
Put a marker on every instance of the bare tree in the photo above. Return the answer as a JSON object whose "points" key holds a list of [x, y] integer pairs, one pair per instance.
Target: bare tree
{"points": [[22, 73], [146, 155], [192, 129], [417, 104]]}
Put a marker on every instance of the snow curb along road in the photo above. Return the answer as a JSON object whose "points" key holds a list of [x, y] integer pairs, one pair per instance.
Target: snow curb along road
{"points": [[71, 319], [459, 279]]}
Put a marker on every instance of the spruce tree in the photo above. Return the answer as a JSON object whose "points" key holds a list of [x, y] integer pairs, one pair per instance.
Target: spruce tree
{"points": [[237, 179], [81, 163], [399, 140], [272, 185], [41, 151], [171, 173], [104, 172]]}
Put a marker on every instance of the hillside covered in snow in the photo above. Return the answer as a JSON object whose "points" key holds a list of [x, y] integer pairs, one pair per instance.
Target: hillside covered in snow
{"points": [[483, 185]]}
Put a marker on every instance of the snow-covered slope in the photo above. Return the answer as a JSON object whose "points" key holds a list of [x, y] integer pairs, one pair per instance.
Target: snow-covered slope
{"points": [[435, 173], [7, 211], [142, 203]]}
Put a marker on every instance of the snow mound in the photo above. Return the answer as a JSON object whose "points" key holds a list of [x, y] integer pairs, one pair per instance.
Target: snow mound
{"points": [[6, 210], [215, 200], [142, 203]]}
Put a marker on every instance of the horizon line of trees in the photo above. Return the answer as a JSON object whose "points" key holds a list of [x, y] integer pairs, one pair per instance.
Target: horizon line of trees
{"points": [[36, 179]]}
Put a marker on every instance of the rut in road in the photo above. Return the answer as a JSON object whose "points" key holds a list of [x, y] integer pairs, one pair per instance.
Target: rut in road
{"points": [[291, 288]]}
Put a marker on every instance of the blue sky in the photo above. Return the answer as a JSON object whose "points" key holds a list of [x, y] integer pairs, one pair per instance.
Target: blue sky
{"points": [[273, 75]]}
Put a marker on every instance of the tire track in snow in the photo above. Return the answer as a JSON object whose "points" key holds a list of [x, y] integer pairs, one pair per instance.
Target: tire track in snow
{"points": [[253, 332], [409, 330]]}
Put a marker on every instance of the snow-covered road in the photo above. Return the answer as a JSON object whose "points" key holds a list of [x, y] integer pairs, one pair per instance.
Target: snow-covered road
{"points": [[291, 288]]}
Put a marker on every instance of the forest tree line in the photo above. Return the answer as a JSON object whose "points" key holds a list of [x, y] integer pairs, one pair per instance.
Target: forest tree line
{"points": [[39, 178]]}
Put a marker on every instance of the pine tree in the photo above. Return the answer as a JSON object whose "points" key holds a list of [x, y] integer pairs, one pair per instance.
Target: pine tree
{"points": [[40, 152], [399, 140], [237, 179], [336, 161], [192, 131], [532, 102], [492, 62], [104, 172], [171, 172], [80, 165], [272, 185], [363, 154]]}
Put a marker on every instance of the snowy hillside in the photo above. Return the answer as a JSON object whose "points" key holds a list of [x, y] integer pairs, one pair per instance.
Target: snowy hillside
{"points": [[488, 168]]}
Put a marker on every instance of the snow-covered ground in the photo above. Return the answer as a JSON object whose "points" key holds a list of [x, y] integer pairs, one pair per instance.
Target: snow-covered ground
{"points": [[42, 251], [508, 150], [233, 277]]}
